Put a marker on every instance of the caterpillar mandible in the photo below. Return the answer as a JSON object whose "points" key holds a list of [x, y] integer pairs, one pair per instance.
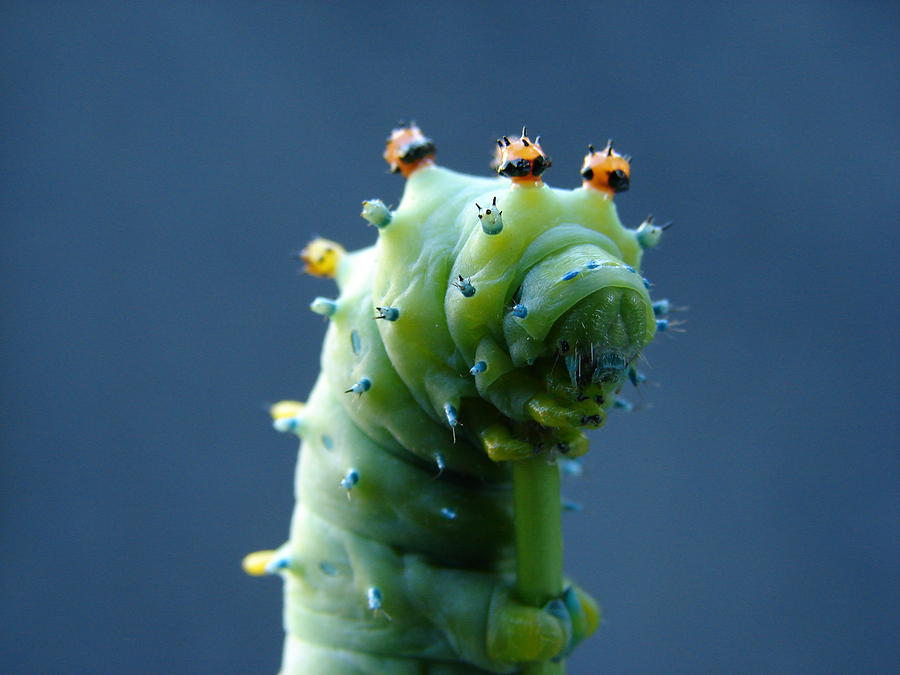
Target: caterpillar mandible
{"points": [[493, 319]]}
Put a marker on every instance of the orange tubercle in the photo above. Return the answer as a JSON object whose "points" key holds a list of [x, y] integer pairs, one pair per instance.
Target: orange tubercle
{"points": [[606, 170], [408, 150], [521, 160]]}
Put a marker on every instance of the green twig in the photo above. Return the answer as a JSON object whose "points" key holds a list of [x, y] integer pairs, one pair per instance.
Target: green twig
{"points": [[539, 547]]}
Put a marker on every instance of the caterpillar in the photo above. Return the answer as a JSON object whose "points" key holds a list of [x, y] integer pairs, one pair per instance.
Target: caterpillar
{"points": [[493, 320]]}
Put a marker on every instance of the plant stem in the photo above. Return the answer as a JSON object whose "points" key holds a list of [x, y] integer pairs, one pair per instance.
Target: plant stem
{"points": [[539, 547]]}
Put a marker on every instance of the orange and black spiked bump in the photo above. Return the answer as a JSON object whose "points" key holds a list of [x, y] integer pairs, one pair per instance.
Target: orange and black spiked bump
{"points": [[522, 159], [408, 150], [606, 170]]}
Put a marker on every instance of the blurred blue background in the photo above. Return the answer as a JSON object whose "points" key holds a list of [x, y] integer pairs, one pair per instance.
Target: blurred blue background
{"points": [[160, 161]]}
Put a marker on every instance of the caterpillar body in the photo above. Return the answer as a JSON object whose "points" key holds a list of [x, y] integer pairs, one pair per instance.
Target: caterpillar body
{"points": [[493, 319]]}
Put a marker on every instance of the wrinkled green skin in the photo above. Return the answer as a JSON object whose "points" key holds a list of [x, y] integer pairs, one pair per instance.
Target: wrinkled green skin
{"points": [[447, 584]]}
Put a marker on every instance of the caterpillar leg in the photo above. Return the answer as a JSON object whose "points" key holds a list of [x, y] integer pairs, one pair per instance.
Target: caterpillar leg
{"points": [[501, 446], [584, 612], [496, 438], [519, 633], [501, 632], [517, 394], [571, 442], [547, 411]]}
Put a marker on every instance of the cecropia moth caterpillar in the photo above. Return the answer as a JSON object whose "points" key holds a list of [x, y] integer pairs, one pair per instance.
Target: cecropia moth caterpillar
{"points": [[493, 320]]}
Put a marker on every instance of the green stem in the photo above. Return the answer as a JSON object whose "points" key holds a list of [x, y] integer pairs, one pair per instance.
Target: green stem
{"points": [[539, 547]]}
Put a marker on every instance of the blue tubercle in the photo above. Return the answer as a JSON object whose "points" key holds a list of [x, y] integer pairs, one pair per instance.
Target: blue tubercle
{"points": [[287, 424], [374, 598], [450, 414], [350, 479], [636, 377], [323, 306], [571, 467], [465, 287], [387, 313], [491, 220], [623, 404], [571, 506], [363, 385], [279, 563], [376, 213]]}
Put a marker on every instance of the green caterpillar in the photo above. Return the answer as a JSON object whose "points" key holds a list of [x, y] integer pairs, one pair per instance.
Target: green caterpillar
{"points": [[493, 319]]}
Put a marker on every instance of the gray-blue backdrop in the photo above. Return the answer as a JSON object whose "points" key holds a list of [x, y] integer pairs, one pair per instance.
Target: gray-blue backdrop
{"points": [[160, 160]]}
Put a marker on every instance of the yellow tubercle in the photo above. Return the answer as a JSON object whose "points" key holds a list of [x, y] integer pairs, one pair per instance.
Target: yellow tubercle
{"points": [[286, 409], [591, 612], [322, 257], [255, 563]]}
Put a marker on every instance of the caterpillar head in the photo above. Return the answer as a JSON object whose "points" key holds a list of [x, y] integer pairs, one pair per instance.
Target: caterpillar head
{"points": [[521, 160], [607, 170], [560, 275], [408, 149], [580, 318]]}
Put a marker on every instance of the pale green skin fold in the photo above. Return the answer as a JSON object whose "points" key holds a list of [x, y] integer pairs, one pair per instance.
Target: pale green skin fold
{"points": [[439, 544]]}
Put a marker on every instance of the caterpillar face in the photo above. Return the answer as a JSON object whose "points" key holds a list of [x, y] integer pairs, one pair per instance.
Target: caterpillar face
{"points": [[604, 322], [607, 170]]}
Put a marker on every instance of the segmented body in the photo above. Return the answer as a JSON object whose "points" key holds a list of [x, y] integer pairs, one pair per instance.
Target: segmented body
{"points": [[491, 320]]}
